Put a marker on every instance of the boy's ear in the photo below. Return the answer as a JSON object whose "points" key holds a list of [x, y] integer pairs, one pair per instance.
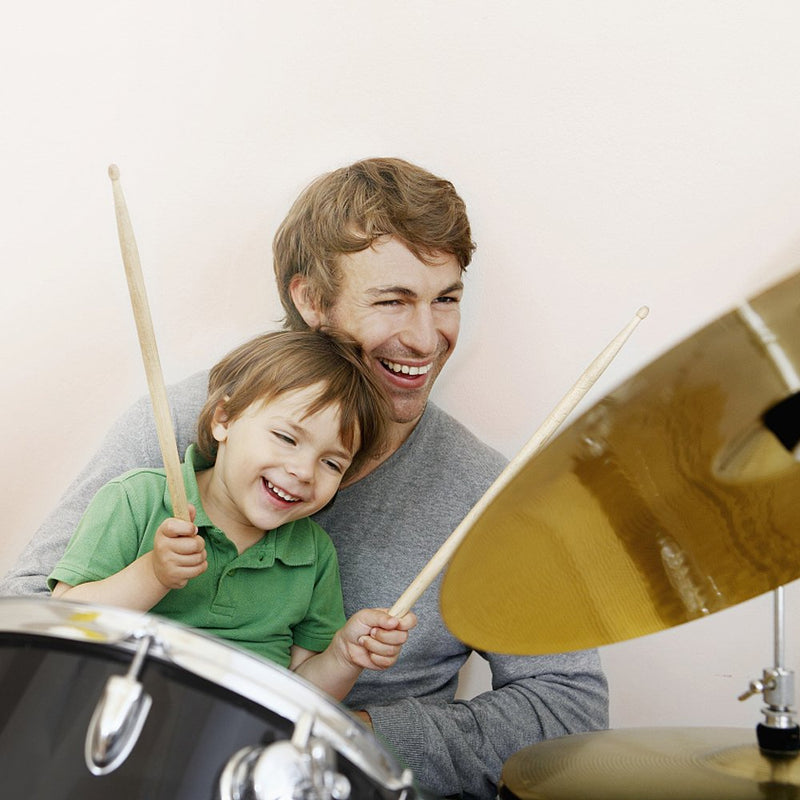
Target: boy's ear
{"points": [[303, 300], [219, 423]]}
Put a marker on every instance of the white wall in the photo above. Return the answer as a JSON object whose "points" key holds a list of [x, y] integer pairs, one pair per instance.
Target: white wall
{"points": [[612, 154]]}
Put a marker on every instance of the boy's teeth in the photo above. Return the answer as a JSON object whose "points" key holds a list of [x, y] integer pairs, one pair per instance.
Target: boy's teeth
{"points": [[405, 369], [283, 495]]}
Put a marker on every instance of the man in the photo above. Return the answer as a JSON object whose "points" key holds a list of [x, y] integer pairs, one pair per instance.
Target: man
{"points": [[379, 249]]}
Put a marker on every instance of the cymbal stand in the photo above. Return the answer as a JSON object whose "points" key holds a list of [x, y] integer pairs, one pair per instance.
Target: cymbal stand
{"points": [[779, 735]]}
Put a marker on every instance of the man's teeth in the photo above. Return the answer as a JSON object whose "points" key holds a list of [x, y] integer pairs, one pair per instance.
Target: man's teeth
{"points": [[405, 369], [290, 498]]}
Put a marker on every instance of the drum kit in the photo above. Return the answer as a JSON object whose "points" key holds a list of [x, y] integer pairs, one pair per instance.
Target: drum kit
{"points": [[672, 498]]}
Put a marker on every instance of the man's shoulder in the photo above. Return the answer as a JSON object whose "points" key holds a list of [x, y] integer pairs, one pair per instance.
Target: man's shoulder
{"points": [[185, 398], [449, 435], [190, 393], [443, 451]]}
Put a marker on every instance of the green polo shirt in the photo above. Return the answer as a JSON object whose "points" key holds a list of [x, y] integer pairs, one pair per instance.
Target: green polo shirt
{"points": [[283, 590]]}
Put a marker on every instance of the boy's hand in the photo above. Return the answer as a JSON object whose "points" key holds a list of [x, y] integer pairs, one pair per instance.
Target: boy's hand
{"points": [[179, 553], [373, 639]]}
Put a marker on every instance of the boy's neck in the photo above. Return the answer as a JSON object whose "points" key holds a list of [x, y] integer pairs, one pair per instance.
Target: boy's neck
{"points": [[243, 536]]}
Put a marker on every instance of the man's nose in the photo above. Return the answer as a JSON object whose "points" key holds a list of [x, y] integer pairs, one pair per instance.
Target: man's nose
{"points": [[421, 334]]}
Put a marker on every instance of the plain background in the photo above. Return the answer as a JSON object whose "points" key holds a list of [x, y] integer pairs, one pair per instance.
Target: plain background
{"points": [[611, 154]]}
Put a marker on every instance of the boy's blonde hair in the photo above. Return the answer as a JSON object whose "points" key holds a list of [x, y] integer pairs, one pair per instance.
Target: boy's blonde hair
{"points": [[285, 361], [346, 210]]}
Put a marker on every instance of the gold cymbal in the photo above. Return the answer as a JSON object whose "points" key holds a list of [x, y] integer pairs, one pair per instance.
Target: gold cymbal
{"points": [[651, 763], [667, 501]]}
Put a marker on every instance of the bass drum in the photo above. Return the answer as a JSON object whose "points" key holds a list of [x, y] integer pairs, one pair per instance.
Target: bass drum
{"points": [[99, 703]]}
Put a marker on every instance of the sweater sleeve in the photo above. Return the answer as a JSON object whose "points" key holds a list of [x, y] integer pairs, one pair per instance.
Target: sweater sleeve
{"points": [[132, 442], [459, 748]]}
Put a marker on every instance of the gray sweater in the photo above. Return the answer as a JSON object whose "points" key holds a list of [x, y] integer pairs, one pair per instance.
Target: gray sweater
{"points": [[386, 527]]}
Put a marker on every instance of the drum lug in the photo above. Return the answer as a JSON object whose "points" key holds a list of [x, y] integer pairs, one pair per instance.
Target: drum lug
{"points": [[118, 717], [300, 769]]}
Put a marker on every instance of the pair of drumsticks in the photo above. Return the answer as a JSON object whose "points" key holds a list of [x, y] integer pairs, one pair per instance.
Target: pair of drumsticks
{"points": [[166, 432]]}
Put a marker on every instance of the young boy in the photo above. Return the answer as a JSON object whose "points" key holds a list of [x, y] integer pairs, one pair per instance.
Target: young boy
{"points": [[288, 415]]}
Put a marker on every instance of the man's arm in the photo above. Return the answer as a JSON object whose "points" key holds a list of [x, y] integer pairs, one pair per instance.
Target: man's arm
{"points": [[459, 748], [132, 442]]}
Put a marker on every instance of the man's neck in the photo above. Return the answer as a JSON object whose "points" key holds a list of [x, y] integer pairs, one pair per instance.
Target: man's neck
{"points": [[398, 433]]}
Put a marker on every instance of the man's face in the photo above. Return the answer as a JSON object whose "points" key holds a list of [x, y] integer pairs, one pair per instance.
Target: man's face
{"points": [[405, 314]]}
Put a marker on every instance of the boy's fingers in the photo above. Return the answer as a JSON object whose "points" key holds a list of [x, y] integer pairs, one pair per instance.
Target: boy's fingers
{"points": [[378, 647], [191, 560], [394, 637], [408, 621], [383, 661], [173, 527], [188, 545]]}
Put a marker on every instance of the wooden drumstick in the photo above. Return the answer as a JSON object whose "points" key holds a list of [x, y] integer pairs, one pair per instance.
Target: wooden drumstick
{"points": [[443, 555], [147, 343]]}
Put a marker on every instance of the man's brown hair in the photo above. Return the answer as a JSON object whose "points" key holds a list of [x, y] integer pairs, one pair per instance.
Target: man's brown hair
{"points": [[346, 210]]}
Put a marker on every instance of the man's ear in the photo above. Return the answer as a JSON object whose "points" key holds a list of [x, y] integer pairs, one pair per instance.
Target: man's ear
{"points": [[219, 423], [304, 302]]}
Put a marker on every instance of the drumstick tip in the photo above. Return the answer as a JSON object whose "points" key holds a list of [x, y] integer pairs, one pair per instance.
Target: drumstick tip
{"points": [[113, 172], [643, 312]]}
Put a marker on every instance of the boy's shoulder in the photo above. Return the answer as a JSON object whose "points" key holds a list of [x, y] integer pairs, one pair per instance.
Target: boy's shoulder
{"points": [[141, 476], [143, 487]]}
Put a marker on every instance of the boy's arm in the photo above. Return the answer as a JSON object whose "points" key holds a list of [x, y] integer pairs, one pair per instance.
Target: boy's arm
{"points": [[178, 555], [132, 442], [370, 639], [135, 587]]}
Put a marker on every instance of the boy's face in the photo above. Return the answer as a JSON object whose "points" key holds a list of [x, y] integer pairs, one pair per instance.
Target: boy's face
{"points": [[274, 463]]}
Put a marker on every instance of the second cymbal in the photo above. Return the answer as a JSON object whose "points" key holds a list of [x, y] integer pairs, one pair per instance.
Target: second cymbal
{"points": [[652, 763]]}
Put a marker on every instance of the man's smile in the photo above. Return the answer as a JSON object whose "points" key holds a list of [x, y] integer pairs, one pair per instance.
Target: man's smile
{"points": [[405, 369]]}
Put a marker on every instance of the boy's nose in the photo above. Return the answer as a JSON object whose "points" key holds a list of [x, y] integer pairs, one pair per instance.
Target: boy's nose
{"points": [[301, 467]]}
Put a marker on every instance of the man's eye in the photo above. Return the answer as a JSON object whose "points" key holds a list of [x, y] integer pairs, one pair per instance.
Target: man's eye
{"points": [[448, 299]]}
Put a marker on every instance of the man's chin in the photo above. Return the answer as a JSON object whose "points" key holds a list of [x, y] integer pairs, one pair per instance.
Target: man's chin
{"points": [[408, 404], [406, 411]]}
